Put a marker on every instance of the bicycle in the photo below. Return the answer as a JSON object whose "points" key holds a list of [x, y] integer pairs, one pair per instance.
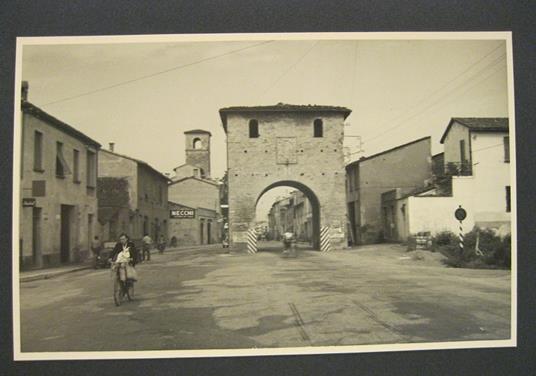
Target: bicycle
{"points": [[122, 289]]}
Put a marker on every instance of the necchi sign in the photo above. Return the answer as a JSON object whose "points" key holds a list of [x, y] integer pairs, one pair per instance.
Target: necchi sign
{"points": [[182, 213]]}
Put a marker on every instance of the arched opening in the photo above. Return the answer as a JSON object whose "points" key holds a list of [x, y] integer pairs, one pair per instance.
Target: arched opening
{"points": [[287, 206], [253, 128], [318, 128], [197, 143]]}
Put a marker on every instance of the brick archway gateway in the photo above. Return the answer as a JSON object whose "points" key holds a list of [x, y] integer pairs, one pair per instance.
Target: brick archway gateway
{"points": [[313, 200], [269, 145]]}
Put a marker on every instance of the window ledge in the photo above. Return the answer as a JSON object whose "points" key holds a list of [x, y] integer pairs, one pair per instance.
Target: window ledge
{"points": [[77, 181], [60, 176], [40, 170]]}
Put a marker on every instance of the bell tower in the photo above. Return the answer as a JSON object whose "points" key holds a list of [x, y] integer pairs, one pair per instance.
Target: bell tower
{"points": [[198, 150]]}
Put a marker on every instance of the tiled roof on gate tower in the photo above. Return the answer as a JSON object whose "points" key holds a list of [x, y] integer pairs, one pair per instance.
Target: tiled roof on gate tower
{"points": [[282, 107], [194, 131]]}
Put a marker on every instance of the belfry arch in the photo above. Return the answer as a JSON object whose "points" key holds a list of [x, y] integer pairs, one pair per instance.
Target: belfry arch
{"points": [[313, 200], [286, 149]]}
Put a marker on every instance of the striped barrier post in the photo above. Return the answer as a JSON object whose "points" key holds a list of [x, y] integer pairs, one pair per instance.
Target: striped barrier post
{"points": [[461, 238], [325, 241], [460, 214], [252, 241]]}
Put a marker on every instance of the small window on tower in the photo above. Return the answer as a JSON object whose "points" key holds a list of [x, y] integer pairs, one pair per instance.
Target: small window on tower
{"points": [[197, 144], [318, 128], [253, 128]]}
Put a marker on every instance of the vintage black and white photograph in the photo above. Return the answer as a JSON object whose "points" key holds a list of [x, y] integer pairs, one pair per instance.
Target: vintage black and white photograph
{"points": [[259, 194]]}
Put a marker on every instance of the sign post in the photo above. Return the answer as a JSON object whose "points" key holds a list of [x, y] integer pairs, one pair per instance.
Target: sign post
{"points": [[460, 215]]}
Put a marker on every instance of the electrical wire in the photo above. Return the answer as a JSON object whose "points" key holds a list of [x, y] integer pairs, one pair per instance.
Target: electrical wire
{"points": [[446, 85], [178, 67], [289, 69], [443, 97]]}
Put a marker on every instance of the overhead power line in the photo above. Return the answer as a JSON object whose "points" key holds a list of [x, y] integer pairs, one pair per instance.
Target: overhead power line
{"points": [[289, 69], [438, 90], [441, 98], [178, 67]]}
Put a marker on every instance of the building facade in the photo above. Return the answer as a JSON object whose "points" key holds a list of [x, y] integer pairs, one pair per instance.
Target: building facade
{"points": [[477, 178], [292, 213], [58, 211], [192, 226], [405, 168], [133, 198], [286, 145]]}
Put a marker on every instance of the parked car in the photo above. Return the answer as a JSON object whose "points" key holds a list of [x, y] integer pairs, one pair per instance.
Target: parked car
{"points": [[103, 259]]}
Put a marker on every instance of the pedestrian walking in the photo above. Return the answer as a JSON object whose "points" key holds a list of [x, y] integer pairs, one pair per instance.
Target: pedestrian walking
{"points": [[161, 244], [146, 247], [96, 248]]}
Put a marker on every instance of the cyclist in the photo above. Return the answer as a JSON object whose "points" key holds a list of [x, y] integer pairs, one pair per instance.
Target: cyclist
{"points": [[123, 245]]}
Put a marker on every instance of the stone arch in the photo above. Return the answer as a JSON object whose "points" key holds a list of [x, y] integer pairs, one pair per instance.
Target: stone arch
{"points": [[197, 144], [311, 196]]}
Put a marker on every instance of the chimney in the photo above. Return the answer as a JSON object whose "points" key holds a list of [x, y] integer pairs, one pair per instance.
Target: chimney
{"points": [[24, 91], [111, 146]]}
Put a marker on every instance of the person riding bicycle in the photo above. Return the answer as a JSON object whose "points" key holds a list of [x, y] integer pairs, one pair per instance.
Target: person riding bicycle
{"points": [[124, 256], [124, 246]]}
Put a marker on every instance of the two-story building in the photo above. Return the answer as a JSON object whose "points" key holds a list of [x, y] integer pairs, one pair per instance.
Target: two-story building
{"points": [[133, 197], [476, 177], [406, 168], [58, 208]]}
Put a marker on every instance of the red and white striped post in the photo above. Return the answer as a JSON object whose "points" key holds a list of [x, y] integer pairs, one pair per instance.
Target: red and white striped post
{"points": [[461, 238], [460, 215]]}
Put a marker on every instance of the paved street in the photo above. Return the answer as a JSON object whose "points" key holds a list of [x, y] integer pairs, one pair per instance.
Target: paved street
{"points": [[205, 298]]}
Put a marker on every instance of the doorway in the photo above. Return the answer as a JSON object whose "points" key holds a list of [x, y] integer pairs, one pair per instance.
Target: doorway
{"points": [[36, 237], [209, 234], [202, 231], [89, 232], [65, 233]]}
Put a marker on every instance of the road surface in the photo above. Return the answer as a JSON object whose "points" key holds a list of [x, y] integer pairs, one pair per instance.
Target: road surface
{"points": [[208, 299]]}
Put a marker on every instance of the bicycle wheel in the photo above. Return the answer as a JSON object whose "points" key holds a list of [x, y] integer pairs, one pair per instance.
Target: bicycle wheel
{"points": [[117, 292], [130, 290]]}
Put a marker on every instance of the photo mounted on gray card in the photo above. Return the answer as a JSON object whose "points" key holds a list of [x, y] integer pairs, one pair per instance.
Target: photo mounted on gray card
{"points": [[263, 194]]}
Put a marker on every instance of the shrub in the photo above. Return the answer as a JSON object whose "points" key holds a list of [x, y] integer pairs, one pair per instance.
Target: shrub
{"points": [[495, 251]]}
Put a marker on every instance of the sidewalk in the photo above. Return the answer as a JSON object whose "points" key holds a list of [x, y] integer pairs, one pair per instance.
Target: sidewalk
{"points": [[34, 275], [47, 273]]}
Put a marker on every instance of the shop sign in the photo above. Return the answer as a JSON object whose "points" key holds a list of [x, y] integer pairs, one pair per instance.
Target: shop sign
{"points": [[182, 213]]}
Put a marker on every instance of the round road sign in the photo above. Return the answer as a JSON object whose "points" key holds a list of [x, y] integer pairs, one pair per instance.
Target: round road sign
{"points": [[460, 214]]}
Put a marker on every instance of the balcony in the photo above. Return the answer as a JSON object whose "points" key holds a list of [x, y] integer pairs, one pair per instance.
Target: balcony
{"points": [[463, 168]]}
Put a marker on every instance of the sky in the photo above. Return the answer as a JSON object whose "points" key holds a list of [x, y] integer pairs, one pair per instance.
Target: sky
{"points": [[143, 96]]}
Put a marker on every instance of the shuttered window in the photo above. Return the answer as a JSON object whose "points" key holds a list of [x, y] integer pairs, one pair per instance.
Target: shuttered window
{"points": [[62, 168], [506, 141], [38, 151]]}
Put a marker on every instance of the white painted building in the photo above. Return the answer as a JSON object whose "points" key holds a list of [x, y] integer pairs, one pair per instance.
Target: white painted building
{"points": [[477, 173]]}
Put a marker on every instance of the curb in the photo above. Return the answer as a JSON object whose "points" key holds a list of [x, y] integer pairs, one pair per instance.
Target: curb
{"points": [[52, 274]]}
